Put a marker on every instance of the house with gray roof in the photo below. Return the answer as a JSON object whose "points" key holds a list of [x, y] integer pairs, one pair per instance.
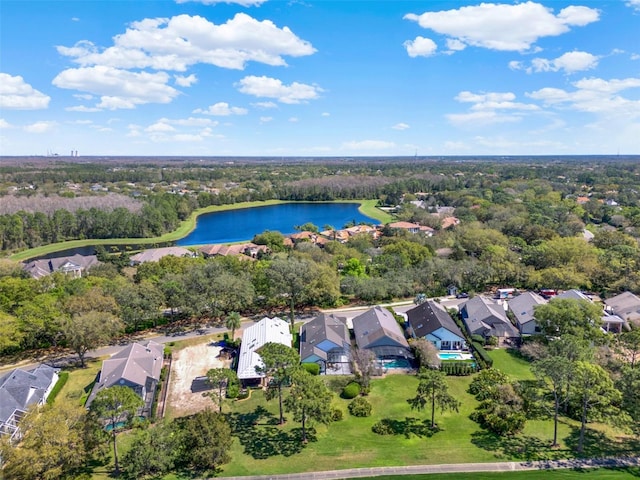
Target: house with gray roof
{"points": [[611, 322], [267, 330], [377, 330], [486, 317], [136, 366], [522, 307], [325, 341], [74, 265], [626, 305], [21, 389], [431, 321], [155, 254]]}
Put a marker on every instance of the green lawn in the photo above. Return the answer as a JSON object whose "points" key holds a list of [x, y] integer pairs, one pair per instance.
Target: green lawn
{"points": [[600, 474], [512, 364], [79, 382]]}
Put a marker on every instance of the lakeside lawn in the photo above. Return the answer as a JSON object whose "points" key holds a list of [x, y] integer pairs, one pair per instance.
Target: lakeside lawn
{"points": [[367, 207]]}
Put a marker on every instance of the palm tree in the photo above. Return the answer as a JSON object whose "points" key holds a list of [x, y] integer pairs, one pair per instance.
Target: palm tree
{"points": [[233, 323]]}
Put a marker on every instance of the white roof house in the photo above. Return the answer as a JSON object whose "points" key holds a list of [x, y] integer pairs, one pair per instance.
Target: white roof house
{"points": [[267, 330]]}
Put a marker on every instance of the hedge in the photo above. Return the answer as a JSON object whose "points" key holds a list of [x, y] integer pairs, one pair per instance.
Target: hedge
{"points": [[458, 369], [312, 368], [482, 356], [352, 390], [62, 379]]}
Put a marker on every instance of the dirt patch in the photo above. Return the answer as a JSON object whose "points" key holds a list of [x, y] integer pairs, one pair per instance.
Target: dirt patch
{"points": [[189, 364]]}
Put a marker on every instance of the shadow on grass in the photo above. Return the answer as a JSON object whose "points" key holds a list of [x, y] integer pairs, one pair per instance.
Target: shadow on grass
{"points": [[262, 437], [597, 444], [407, 427], [519, 447]]}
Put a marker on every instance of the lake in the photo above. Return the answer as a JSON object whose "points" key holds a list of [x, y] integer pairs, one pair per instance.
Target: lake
{"points": [[243, 224]]}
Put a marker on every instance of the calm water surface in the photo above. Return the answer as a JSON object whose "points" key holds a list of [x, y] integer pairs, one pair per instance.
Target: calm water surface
{"points": [[244, 224]]}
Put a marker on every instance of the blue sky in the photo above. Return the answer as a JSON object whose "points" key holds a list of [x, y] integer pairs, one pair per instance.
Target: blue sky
{"points": [[319, 78]]}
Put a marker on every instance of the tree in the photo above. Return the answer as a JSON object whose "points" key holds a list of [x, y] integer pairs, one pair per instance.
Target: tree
{"points": [[289, 277], [484, 384], [53, 446], [10, 334], [502, 412], [426, 353], [278, 363], [363, 362], [220, 378], [594, 394], [86, 331], [433, 388], [556, 374], [560, 316], [630, 342], [205, 440], [629, 386], [116, 404], [153, 453], [233, 323], [309, 400]]}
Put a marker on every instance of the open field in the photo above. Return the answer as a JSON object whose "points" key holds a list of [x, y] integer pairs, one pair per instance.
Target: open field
{"points": [[367, 207]]}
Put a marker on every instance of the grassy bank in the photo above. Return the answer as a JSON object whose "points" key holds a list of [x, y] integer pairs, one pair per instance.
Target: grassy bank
{"points": [[367, 207]]}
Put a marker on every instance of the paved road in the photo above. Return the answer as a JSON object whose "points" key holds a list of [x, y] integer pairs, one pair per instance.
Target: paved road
{"points": [[449, 468]]}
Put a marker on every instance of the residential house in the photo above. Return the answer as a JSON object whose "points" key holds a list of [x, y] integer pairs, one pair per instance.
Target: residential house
{"points": [[522, 308], [430, 320], [74, 265], [610, 322], [250, 250], [136, 366], [412, 228], [626, 305], [155, 254], [377, 330], [486, 317], [325, 341], [21, 389], [267, 330]]}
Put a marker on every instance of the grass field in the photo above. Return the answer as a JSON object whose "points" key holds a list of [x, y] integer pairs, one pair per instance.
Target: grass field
{"points": [[600, 474], [512, 364], [367, 207]]}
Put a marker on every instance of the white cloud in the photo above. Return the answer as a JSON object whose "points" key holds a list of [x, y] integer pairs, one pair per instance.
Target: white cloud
{"points": [[178, 42], [183, 81], [83, 96], [570, 62], [420, 47], [325, 114], [4, 124], [159, 127], [265, 104], [118, 88], [635, 4], [222, 109], [594, 95], [82, 108], [40, 127], [516, 65], [503, 26], [368, 145], [400, 126], [489, 109], [294, 119], [16, 94], [274, 88], [266, 119], [244, 3]]}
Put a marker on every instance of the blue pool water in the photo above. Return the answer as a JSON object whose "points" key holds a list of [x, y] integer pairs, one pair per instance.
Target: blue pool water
{"points": [[396, 363], [450, 356]]}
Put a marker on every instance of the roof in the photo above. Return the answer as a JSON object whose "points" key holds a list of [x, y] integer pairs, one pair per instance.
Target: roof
{"points": [[237, 249], [44, 267], [625, 304], [376, 327], [267, 330], [482, 315], [405, 225], [133, 364], [523, 305], [21, 388], [155, 254], [573, 295], [429, 317], [323, 327]]}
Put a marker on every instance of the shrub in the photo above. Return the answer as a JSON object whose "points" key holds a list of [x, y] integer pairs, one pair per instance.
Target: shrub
{"points": [[62, 379], [482, 356], [233, 390], [360, 407], [336, 414], [312, 368], [383, 427], [477, 338], [458, 369], [352, 390]]}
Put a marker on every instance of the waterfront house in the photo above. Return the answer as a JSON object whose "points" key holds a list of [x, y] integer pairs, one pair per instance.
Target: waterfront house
{"points": [[155, 254], [74, 265]]}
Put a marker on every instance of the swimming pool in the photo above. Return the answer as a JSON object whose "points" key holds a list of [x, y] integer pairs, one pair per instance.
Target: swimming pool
{"points": [[454, 356], [396, 363]]}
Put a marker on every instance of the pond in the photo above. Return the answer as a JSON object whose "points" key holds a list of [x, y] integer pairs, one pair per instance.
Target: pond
{"points": [[243, 224]]}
